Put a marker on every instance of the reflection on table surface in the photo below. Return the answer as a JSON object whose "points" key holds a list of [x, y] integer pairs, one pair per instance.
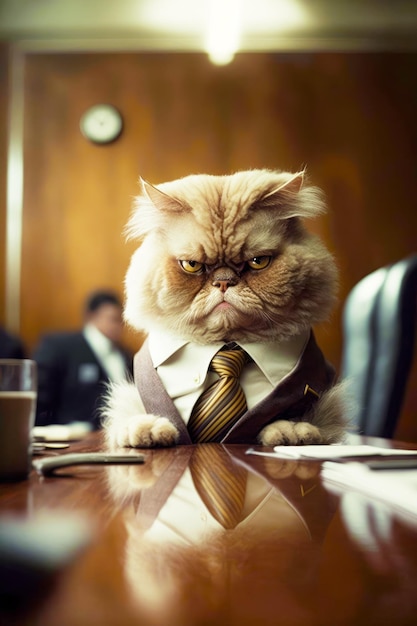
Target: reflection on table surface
{"points": [[254, 540]]}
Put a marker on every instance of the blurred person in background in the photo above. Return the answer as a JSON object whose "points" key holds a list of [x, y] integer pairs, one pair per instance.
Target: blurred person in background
{"points": [[11, 346], [74, 367]]}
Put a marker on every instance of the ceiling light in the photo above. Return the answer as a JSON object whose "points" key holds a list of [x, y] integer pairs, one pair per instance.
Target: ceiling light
{"points": [[223, 31]]}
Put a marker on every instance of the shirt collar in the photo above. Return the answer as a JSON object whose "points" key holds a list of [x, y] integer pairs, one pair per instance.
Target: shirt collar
{"points": [[275, 359], [162, 346], [99, 342]]}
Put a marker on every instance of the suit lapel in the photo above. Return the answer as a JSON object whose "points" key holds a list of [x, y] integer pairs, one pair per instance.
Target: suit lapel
{"points": [[292, 397], [86, 353], [153, 394]]}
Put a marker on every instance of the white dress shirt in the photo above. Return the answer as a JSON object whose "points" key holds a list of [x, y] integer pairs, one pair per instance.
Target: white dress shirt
{"points": [[183, 367], [106, 352]]}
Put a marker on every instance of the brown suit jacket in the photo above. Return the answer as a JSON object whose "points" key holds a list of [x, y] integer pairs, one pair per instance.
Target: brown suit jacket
{"points": [[289, 399]]}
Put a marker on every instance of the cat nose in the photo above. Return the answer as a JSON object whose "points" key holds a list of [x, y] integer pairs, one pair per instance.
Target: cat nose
{"points": [[222, 284], [224, 280]]}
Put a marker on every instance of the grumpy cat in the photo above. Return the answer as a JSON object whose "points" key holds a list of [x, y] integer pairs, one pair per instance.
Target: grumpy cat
{"points": [[227, 260]]}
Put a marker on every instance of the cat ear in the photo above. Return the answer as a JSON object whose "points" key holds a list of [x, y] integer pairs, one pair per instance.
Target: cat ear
{"points": [[291, 199], [291, 186], [161, 200]]}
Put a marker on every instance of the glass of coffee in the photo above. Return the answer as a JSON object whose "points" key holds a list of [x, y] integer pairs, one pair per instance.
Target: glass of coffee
{"points": [[18, 392]]}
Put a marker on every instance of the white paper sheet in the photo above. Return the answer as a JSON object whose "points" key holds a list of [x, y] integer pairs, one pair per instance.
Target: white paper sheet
{"points": [[333, 451], [396, 487]]}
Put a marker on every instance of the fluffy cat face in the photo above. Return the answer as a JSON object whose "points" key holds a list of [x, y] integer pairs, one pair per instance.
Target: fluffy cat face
{"points": [[227, 258]]}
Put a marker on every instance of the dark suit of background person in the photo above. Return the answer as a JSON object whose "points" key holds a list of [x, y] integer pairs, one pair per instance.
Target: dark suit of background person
{"points": [[11, 347], [74, 367]]}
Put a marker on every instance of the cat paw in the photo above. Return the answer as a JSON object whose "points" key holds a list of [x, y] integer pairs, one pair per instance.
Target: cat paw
{"points": [[146, 431], [287, 433]]}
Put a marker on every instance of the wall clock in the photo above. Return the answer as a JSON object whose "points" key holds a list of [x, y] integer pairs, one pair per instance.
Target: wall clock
{"points": [[101, 123]]}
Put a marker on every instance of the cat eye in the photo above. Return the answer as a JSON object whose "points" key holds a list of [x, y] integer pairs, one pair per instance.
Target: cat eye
{"points": [[259, 262], [192, 267]]}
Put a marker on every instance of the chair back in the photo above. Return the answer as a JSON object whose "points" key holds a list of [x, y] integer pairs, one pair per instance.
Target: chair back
{"points": [[379, 322]]}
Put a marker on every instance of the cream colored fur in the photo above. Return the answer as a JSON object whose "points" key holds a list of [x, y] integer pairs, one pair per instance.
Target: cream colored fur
{"points": [[222, 222]]}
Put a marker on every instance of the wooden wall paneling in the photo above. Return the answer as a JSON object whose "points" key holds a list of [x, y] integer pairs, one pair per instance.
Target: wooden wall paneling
{"points": [[77, 194], [4, 89], [349, 117]]}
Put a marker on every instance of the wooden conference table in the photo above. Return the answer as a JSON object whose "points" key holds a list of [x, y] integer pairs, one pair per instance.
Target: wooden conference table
{"points": [[149, 552]]}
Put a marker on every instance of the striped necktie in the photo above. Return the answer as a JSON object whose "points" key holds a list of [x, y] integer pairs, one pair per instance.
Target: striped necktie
{"points": [[220, 483], [223, 403]]}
